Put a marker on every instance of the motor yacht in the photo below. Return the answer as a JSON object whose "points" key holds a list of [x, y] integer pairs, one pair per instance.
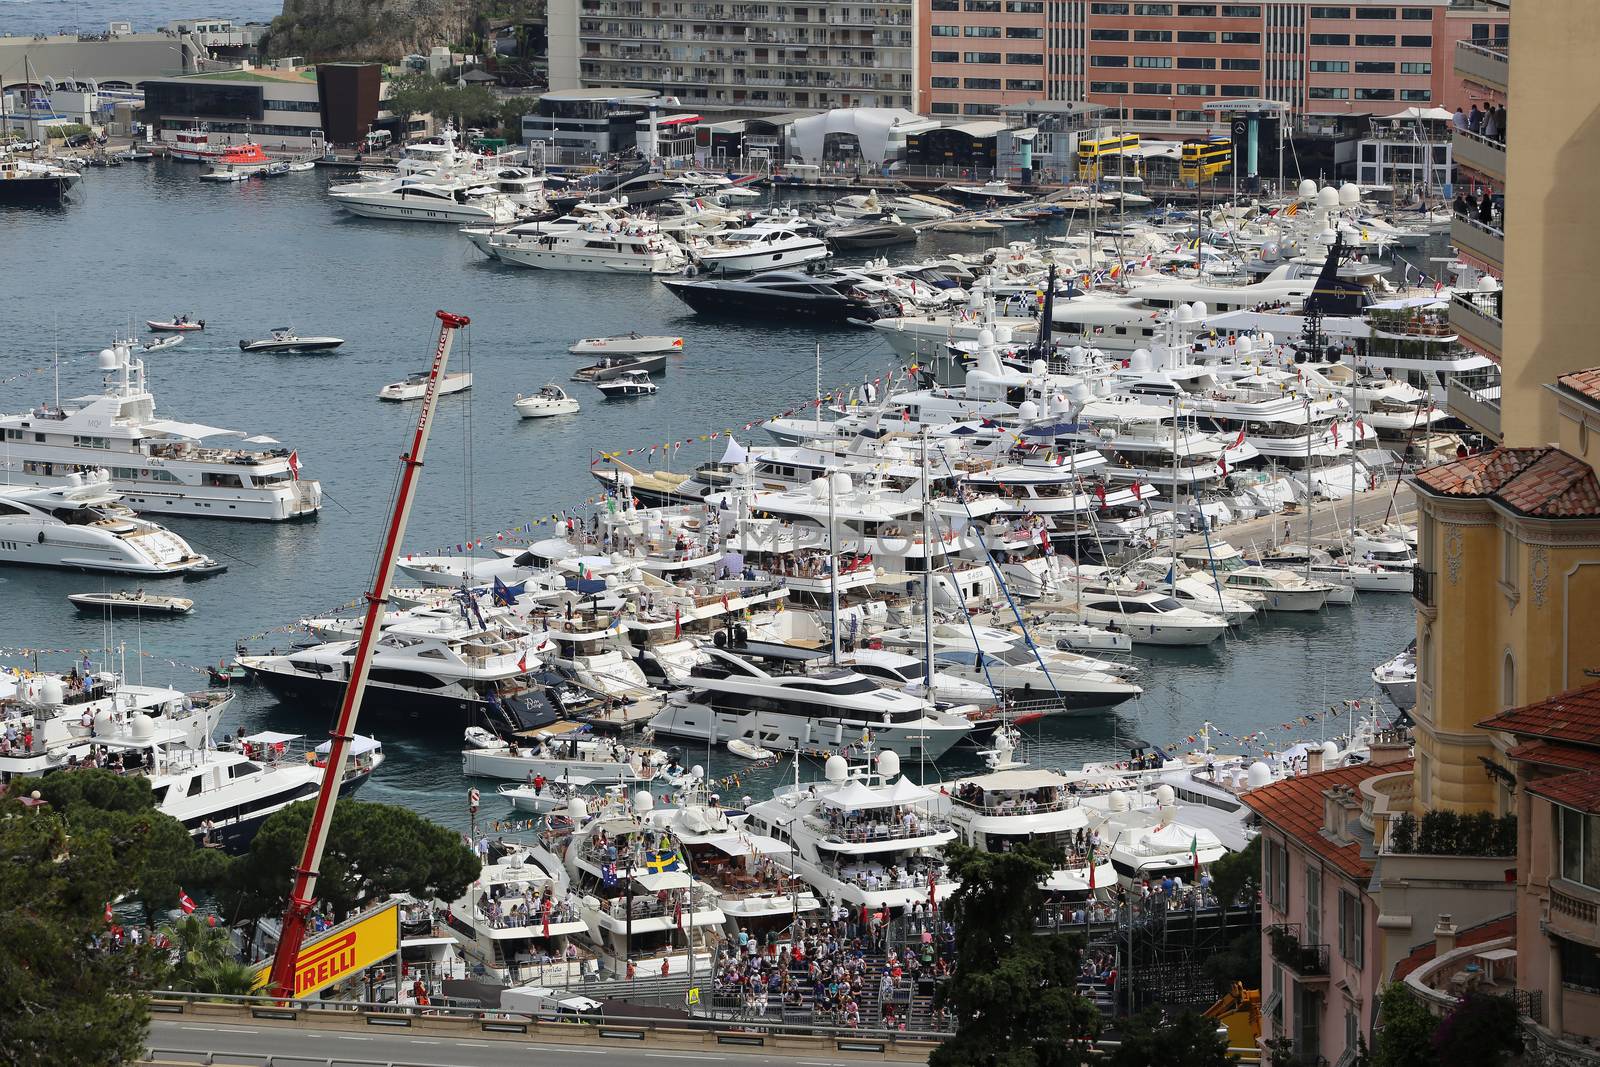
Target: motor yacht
{"points": [[782, 294], [992, 190], [548, 401], [415, 386], [1016, 804], [762, 247], [83, 525], [564, 752], [425, 198], [160, 466], [1317, 564], [1147, 616], [27, 181], [1278, 590], [595, 247], [1397, 677], [519, 922]]}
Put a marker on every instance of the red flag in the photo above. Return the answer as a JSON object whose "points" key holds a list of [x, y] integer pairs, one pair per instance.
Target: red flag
{"points": [[185, 903], [933, 889], [546, 916], [1091, 871], [1336, 434], [522, 662], [1100, 491], [1237, 441], [108, 911], [294, 465], [1137, 494], [1222, 465], [677, 623]]}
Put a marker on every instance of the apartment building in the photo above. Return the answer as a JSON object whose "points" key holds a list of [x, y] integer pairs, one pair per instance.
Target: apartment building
{"points": [[1161, 61], [740, 58]]}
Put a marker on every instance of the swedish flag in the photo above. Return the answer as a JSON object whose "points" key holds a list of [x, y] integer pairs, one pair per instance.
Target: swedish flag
{"points": [[663, 861]]}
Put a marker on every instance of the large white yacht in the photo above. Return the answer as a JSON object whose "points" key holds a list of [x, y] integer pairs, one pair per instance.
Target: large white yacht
{"points": [[82, 525], [159, 465], [868, 839], [426, 198], [765, 246], [519, 922], [601, 248], [782, 697]]}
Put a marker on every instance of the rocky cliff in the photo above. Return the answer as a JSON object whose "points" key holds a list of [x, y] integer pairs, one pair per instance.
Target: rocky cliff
{"points": [[368, 29]]}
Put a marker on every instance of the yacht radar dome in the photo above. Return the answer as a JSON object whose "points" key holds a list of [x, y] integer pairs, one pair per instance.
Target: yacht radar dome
{"points": [[835, 769], [1349, 194], [888, 763], [1308, 189], [1259, 775]]}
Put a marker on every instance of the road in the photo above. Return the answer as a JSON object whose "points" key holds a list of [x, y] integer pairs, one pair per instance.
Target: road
{"points": [[184, 1041]]}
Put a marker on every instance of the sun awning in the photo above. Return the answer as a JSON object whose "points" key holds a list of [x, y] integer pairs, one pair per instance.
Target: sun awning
{"points": [[193, 430], [271, 737], [1018, 779], [655, 883], [359, 746], [744, 844], [855, 795], [905, 791], [261, 439]]}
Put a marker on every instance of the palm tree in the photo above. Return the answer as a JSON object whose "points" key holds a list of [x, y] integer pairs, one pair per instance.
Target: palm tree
{"points": [[197, 948], [226, 978]]}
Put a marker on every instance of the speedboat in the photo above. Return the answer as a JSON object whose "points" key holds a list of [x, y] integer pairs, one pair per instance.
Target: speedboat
{"points": [[628, 384], [415, 386], [551, 400], [84, 526], [998, 191], [877, 233], [629, 344], [182, 324], [609, 367], [159, 343], [131, 602], [824, 297], [284, 340], [765, 246]]}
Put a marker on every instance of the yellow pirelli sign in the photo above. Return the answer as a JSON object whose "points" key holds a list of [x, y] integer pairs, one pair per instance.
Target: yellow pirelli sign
{"points": [[343, 952]]}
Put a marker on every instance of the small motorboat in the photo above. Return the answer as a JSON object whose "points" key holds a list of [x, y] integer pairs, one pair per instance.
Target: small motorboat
{"points": [[209, 569], [874, 233], [225, 673], [415, 386], [181, 324], [994, 190], [551, 400], [284, 340], [131, 602], [629, 344], [748, 749], [615, 366], [159, 343], [300, 166], [547, 799], [628, 384], [966, 226], [134, 154]]}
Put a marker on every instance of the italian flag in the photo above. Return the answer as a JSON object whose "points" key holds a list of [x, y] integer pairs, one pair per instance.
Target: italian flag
{"points": [[1194, 854]]}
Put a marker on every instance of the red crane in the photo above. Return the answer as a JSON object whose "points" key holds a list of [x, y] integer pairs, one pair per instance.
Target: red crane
{"points": [[303, 897]]}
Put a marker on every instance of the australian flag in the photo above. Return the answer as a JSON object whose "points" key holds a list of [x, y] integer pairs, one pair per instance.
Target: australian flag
{"points": [[608, 875]]}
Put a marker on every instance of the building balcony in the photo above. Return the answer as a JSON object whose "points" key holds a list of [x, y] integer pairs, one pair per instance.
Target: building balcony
{"points": [[1309, 963], [1574, 911], [1476, 318], [1485, 62], [1478, 153], [1487, 244], [1422, 587], [1478, 408]]}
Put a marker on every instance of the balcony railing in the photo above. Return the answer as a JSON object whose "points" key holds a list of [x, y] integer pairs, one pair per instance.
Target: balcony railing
{"points": [[1484, 242], [1476, 317], [1484, 62], [1478, 408], [1482, 154], [1306, 961], [1422, 586]]}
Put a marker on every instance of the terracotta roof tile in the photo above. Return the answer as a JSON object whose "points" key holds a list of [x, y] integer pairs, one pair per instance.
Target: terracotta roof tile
{"points": [[1493, 930], [1572, 717], [1583, 382], [1579, 789], [1546, 754], [1294, 807], [1543, 482]]}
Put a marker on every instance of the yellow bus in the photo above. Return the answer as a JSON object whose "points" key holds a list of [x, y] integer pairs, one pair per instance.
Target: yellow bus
{"points": [[1093, 155], [1203, 160]]}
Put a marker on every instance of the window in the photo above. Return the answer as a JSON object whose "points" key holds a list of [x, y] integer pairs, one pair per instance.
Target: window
{"points": [[1417, 14], [1374, 94], [1108, 61], [982, 5], [1508, 681], [1186, 116], [1323, 92], [945, 31], [1152, 88], [1374, 68], [1152, 36], [940, 107], [1197, 63], [980, 109], [1025, 7], [981, 57], [1416, 68], [1024, 33], [1241, 64], [1152, 9], [946, 57], [1341, 40], [1508, 556], [1108, 35], [1197, 37], [1352, 928], [1417, 94], [981, 31], [1416, 40], [1108, 9], [1275, 864], [1152, 62], [1024, 59], [1375, 13], [1580, 965], [1025, 85], [1151, 114], [939, 82], [947, 5], [1330, 66], [1198, 11], [982, 83], [1241, 11], [1108, 87], [1196, 90], [1240, 37], [1375, 40], [1330, 12], [1313, 905], [1239, 90]]}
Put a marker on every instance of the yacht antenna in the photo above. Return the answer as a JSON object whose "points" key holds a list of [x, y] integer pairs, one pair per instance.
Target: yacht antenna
{"points": [[927, 580], [817, 412], [285, 962], [833, 573]]}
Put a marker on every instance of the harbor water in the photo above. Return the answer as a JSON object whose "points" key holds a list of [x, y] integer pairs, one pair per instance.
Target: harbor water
{"points": [[150, 240]]}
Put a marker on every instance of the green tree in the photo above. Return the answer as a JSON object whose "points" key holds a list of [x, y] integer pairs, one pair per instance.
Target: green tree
{"points": [[66, 999], [1480, 1031], [1015, 994], [1240, 962], [1238, 874], [373, 850], [510, 117], [413, 93], [1405, 1031], [1191, 1040]]}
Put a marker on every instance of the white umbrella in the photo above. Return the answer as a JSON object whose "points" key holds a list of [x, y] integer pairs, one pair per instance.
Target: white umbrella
{"points": [[1415, 113]]}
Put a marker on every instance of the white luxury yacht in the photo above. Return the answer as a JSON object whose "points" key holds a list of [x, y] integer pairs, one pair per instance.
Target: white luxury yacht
{"points": [[608, 248], [519, 922], [426, 198], [764, 246], [82, 525], [159, 465]]}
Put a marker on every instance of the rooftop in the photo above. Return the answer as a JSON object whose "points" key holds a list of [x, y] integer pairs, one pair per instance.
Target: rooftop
{"points": [[1546, 754], [255, 74], [1544, 483], [1572, 717], [1578, 789], [1586, 383], [1295, 807], [1493, 930]]}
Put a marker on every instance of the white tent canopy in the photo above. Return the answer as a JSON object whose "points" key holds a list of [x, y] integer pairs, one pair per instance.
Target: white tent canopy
{"points": [[360, 745], [872, 128], [193, 430], [1415, 113], [855, 795], [905, 791]]}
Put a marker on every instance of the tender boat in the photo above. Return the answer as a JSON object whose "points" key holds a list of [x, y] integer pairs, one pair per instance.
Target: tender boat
{"points": [[997, 191], [182, 324], [609, 368], [630, 344], [748, 749], [301, 166], [628, 384], [545, 798], [163, 342], [135, 154], [132, 602], [551, 400], [416, 385], [285, 340]]}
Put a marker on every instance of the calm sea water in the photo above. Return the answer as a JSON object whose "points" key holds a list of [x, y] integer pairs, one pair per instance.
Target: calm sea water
{"points": [[151, 240], [28, 17]]}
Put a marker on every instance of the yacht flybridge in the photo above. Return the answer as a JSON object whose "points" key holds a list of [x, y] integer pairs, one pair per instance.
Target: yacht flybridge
{"points": [[161, 466]]}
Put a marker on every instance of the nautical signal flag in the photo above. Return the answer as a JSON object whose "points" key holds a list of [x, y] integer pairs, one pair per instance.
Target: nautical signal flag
{"points": [[185, 902]]}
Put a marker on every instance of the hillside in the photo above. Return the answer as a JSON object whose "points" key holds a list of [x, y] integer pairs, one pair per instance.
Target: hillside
{"points": [[369, 29]]}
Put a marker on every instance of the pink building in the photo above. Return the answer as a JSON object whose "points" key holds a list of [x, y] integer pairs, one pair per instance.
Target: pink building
{"points": [[1320, 956]]}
